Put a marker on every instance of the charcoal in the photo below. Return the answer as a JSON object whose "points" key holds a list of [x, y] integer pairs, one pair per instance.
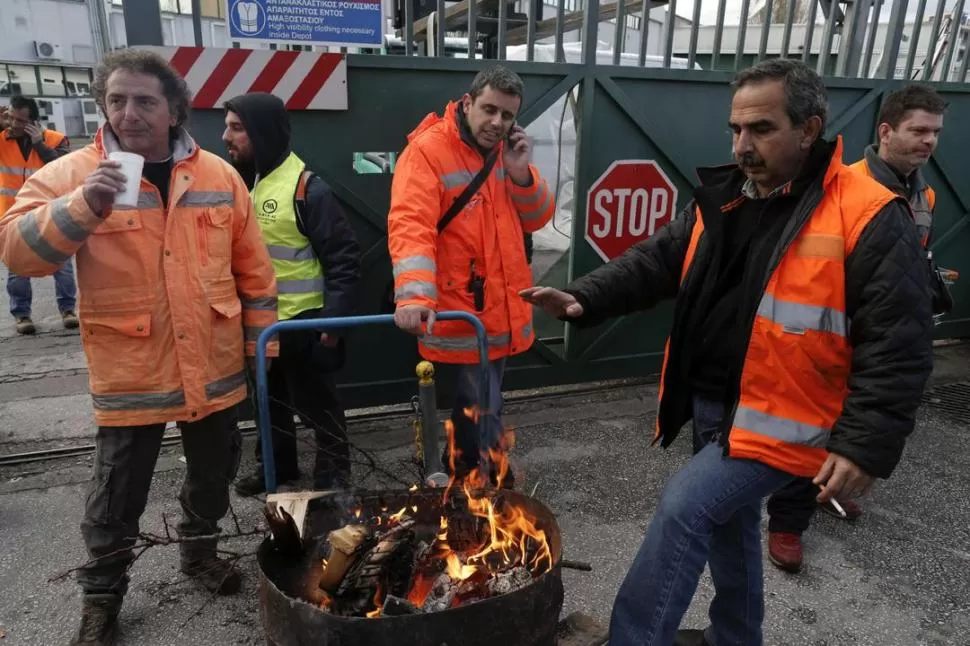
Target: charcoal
{"points": [[506, 582], [442, 594], [396, 606]]}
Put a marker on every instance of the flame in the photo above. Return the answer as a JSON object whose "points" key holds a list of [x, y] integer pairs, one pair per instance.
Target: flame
{"points": [[378, 603], [511, 537]]}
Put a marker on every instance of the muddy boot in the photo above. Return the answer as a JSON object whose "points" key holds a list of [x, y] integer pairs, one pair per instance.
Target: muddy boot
{"points": [[215, 574], [69, 319], [99, 620], [25, 325]]}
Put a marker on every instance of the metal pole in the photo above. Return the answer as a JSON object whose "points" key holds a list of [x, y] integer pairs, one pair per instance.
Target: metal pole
{"points": [[434, 472], [914, 39], [765, 28], [786, 34], [197, 21], [143, 22], [695, 25], [262, 382], [718, 32], [742, 32], [894, 32], [669, 24], [809, 30]]}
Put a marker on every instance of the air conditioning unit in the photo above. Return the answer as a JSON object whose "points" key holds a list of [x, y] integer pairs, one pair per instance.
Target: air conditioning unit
{"points": [[47, 51]]}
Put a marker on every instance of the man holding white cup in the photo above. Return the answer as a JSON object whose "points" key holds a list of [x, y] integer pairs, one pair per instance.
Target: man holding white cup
{"points": [[175, 286]]}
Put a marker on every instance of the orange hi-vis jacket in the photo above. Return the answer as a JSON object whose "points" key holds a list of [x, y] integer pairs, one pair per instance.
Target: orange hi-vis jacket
{"points": [[163, 327], [485, 238], [921, 204], [14, 170], [794, 379]]}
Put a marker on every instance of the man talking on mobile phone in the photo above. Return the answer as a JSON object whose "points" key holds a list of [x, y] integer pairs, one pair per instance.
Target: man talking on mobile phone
{"points": [[25, 147], [463, 196]]}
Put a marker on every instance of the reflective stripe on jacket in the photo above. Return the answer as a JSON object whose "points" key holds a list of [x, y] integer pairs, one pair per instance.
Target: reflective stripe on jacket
{"points": [[14, 170], [165, 295], [922, 200], [299, 274], [794, 380], [485, 238]]}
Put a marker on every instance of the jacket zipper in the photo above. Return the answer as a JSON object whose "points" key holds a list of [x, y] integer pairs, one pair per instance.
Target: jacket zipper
{"points": [[805, 209]]}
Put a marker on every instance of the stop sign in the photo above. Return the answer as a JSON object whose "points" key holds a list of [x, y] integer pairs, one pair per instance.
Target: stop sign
{"points": [[628, 204]]}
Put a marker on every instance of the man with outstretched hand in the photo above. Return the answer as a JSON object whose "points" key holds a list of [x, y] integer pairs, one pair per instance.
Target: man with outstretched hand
{"points": [[768, 264]]}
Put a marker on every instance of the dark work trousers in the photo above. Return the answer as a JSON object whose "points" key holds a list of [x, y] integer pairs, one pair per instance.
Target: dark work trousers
{"points": [[118, 491], [467, 430], [790, 508], [301, 382]]}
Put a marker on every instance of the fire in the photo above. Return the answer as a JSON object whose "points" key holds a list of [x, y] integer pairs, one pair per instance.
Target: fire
{"points": [[469, 557]]}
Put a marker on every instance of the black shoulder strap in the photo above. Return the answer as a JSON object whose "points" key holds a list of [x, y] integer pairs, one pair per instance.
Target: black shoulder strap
{"points": [[469, 191]]}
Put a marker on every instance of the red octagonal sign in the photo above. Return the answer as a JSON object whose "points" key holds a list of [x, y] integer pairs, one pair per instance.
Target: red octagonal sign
{"points": [[628, 204]]}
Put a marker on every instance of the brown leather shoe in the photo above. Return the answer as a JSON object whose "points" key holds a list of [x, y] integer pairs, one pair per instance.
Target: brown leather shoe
{"points": [[852, 510], [99, 620], [785, 550]]}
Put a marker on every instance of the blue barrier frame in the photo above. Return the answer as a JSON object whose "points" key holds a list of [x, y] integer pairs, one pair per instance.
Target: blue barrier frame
{"points": [[322, 325]]}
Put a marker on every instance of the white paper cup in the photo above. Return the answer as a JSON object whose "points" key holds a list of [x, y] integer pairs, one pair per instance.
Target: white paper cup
{"points": [[131, 166]]}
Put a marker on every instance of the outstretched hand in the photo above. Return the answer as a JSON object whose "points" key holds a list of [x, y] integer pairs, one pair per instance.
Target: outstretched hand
{"points": [[554, 302]]}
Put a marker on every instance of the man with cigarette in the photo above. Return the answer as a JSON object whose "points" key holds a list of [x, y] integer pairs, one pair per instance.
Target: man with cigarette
{"points": [[317, 261], [25, 147], [909, 125], [768, 264], [172, 270]]}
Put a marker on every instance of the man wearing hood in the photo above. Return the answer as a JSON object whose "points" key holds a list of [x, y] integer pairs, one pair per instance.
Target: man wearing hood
{"points": [[463, 194], [317, 262], [172, 292]]}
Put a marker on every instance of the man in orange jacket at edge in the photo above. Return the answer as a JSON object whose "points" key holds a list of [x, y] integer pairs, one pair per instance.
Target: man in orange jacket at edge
{"points": [[173, 293], [457, 250]]}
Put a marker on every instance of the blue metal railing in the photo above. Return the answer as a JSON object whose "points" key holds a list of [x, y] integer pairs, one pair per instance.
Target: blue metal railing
{"points": [[262, 386]]}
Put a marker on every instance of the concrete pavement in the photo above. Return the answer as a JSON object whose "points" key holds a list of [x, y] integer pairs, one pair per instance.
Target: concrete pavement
{"points": [[896, 577]]}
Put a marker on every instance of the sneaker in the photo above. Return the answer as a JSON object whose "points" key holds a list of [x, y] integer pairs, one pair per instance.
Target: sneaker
{"points": [[99, 620], [785, 550], [25, 325], [70, 319], [215, 574], [852, 510]]}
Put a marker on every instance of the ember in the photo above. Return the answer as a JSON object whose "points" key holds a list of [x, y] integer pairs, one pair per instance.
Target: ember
{"points": [[432, 554]]}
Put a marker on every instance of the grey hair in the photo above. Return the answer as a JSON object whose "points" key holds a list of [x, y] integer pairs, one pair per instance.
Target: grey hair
{"points": [[807, 96], [498, 78]]}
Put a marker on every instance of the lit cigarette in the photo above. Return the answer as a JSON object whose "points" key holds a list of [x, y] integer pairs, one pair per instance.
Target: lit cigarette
{"points": [[838, 507]]}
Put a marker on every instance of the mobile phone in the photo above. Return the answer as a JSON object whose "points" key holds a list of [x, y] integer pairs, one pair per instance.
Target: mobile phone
{"points": [[508, 137]]}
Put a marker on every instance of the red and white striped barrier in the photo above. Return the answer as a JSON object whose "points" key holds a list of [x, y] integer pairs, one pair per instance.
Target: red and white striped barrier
{"points": [[303, 80]]}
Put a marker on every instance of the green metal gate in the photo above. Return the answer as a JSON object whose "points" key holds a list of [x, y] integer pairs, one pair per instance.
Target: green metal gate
{"points": [[676, 117]]}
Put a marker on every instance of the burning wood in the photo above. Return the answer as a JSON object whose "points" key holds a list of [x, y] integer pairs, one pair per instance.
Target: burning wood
{"points": [[474, 544]]}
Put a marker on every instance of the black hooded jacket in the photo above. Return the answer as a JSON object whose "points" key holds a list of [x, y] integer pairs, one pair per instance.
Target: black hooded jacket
{"points": [[333, 240]]}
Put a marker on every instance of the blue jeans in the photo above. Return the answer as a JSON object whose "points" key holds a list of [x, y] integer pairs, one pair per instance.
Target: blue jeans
{"points": [[21, 295], [710, 513], [467, 396]]}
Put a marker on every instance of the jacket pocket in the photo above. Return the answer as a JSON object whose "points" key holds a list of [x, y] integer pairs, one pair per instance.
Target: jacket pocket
{"points": [[120, 222], [214, 234], [121, 355], [227, 309]]}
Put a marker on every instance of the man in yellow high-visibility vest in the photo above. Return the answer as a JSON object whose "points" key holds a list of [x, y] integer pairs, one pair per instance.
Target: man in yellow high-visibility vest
{"points": [[317, 261]]}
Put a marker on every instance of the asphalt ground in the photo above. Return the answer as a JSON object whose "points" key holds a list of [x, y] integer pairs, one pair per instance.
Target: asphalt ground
{"points": [[899, 576]]}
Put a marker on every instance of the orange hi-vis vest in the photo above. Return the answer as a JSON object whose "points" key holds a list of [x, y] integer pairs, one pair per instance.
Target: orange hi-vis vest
{"points": [[794, 379], [922, 204], [14, 170]]}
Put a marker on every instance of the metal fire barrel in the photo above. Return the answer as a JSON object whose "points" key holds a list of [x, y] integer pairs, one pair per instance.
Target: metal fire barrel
{"points": [[528, 616]]}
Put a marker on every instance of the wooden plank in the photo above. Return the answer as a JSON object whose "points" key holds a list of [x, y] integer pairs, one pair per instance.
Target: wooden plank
{"points": [[574, 20]]}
